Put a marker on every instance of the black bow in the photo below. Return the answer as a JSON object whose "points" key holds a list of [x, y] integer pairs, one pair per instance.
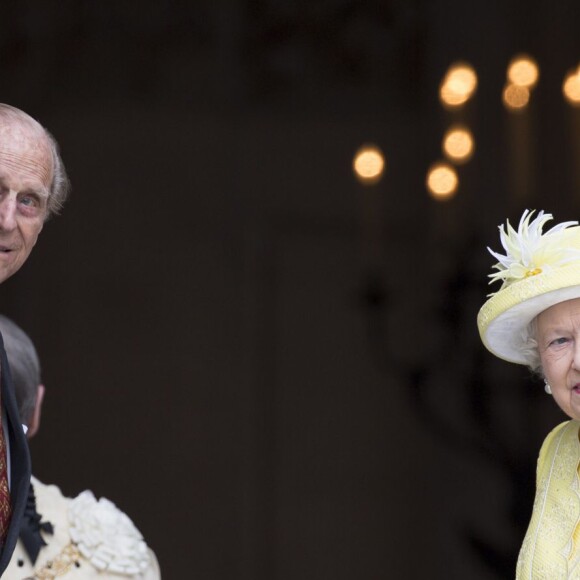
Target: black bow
{"points": [[30, 527]]}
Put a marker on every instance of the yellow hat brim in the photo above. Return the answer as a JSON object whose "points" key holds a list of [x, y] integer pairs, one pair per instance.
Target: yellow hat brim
{"points": [[503, 320]]}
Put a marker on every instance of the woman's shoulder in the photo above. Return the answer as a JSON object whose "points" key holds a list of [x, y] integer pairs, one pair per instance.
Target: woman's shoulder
{"points": [[560, 429], [564, 432]]}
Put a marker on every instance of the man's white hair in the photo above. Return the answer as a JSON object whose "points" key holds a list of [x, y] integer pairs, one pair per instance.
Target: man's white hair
{"points": [[60, 186]]}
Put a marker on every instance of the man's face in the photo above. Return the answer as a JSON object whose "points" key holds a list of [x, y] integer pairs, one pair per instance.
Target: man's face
{"points": [[25, 178]]}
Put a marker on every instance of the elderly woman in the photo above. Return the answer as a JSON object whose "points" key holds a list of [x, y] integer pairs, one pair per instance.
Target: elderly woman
{"points": [[534, 319]]}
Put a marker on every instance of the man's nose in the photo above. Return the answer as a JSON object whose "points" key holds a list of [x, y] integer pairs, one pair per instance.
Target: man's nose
{"points": [[7, 213]]}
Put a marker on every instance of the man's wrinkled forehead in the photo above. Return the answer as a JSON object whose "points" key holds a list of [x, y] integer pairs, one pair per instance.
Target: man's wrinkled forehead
{"points": [[24, 142], [22, 133]]}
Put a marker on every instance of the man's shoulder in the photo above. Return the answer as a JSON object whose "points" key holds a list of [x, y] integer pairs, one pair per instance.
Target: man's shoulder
{"points": [[48, 496], [91, 538]]}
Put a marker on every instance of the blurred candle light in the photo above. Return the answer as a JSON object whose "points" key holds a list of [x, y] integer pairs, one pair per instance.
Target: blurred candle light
{"points": [[369, 164], [523, 71], [442, 181], [458, 144], [571, 91], [515, 97], [522, 76], [458, 85], [571, 87]]}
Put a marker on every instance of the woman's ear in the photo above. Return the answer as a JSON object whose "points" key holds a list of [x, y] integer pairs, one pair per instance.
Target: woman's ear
{"points": [[35, 419]]}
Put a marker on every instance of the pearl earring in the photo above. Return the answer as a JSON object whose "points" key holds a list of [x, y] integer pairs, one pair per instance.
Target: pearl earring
{"points": [[547, 387]]}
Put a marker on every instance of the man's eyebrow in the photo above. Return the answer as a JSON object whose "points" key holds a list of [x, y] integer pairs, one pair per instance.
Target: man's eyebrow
{"points": [[44, 192]]}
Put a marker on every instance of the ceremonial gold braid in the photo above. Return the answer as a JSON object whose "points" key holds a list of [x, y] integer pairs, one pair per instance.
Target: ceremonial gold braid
{"points": [[60, 565], [5, 505]]}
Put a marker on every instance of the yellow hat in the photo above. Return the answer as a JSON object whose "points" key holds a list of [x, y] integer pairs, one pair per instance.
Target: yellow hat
{"points": [[538, 270]]}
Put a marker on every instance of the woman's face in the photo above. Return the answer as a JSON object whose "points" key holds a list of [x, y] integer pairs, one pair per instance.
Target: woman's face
{"points": [[558, 336]]}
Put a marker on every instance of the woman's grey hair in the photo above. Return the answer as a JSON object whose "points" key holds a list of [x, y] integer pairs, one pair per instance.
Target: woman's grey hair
{"points": [[24, 367], [60, 186], [530, 348]]}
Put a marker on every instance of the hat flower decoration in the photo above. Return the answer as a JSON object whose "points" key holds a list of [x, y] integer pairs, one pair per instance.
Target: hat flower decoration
{"points": [[529, 251], [539, 269]]}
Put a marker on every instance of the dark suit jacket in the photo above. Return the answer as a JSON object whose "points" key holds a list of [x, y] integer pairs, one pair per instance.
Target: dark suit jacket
{"points": [[19, 459]]}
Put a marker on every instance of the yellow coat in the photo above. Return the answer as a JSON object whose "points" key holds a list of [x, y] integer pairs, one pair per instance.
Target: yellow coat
{"points": [[551, 547]]}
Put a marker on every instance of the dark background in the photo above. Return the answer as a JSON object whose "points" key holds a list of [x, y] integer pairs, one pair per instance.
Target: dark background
{"points": [[225, 358]]}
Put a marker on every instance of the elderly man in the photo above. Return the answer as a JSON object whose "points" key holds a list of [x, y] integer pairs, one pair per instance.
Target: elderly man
{"points": [[33, 184], [78, 538]]}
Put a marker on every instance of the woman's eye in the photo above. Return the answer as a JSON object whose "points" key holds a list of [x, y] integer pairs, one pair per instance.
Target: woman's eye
{"points": [[558, 341]]}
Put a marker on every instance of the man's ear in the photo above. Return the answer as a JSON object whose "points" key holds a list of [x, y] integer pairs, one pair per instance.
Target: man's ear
{"points": [[35, 419]]}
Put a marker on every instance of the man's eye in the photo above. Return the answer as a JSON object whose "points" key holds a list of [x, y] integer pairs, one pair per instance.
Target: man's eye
{"points": [[29, 200]]}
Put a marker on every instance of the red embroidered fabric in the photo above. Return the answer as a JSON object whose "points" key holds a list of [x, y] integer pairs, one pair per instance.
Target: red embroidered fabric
{"points": [[5, 505]]}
